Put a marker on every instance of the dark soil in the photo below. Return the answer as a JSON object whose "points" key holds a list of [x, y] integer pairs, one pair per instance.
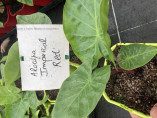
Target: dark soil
{"points": [[42, 112], [137, 90], [40, 94], [15, 6], [18, 83], [52, 94], [4, 16], [73, 57]]}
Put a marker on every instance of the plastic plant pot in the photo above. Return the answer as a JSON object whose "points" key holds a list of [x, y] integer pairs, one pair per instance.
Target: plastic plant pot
{"points": [[41, 2], [5, 29], [122, 105], [11, 20], [26, 10]]}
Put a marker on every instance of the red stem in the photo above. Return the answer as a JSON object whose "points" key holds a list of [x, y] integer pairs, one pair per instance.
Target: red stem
{"points": [[122, 70]]}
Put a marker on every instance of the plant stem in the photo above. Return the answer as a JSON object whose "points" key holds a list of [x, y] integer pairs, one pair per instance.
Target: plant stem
{"points": [[122, 70], [28, 111], [47, 107]]}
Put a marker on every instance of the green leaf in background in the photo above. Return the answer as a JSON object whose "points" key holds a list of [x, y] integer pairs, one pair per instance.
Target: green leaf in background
{"points": [[37, 18], [4, 59], [8, 95], [19, 108], [12, 66], [81, 92], [27, 2], [2, 111], [35, 113], [1, 24], [83, 29], [34, 102], [2, 7], [2, 107], [2, 73], [135, 55]]}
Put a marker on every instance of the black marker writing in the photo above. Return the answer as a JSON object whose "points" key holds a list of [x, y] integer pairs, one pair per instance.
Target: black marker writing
{"points": [[34, 68], [57, 58]]}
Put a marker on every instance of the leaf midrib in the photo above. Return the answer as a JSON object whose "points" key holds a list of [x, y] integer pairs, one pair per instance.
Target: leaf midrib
{"points": [[78, 94], [129, 58]]}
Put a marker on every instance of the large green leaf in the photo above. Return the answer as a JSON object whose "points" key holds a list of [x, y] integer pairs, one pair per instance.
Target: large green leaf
{"points": [[37, 18], [104, 21], [81, 92], [19, 108], [8, 95], [27, 2], [135, 55], [82, 27], [12, 66]]}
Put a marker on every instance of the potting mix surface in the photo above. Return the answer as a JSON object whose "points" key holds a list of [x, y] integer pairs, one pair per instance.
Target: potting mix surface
{"points": [[73, 57], [40, 94], [138, 90]]}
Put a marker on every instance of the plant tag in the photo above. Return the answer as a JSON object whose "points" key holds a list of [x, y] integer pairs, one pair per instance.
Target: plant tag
{"points": [[42, 50]]}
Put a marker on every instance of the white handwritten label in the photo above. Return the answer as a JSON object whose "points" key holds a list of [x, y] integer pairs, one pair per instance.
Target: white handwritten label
{"points": [[43, 49]]}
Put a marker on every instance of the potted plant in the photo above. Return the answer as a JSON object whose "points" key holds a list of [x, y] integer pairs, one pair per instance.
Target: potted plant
{"points": [[86, 29], [134, 79]]}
